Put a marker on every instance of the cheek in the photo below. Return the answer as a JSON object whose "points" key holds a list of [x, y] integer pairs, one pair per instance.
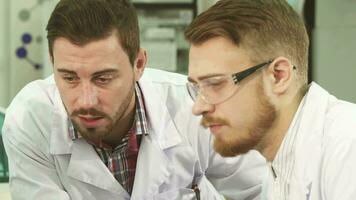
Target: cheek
{"points": [[111, 100], [240, 111]]}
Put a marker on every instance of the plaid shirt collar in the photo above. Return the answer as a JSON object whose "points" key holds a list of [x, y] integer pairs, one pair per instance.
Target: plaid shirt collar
{"points": [[140, 124]]}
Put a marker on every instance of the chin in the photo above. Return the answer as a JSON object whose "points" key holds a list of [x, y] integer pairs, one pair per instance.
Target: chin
{"points": [[234, 146]]}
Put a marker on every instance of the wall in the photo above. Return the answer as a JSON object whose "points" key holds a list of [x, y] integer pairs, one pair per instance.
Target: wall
{"points": [[205, 4], [4, 46], [23, 44], [47, 9], [26, 43], [335, 47]]}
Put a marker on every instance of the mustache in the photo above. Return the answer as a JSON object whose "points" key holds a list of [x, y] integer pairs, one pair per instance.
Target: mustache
{"points": [[90, 111], [207, 120]]}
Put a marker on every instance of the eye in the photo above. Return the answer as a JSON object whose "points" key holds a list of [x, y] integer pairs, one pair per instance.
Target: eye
{"points": [[215, 83], [71, 79], [103, 79]]}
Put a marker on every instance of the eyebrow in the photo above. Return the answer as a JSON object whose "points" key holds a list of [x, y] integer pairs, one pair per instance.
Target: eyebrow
{"points": [[204, 77], [66, 71], [105, 71]]}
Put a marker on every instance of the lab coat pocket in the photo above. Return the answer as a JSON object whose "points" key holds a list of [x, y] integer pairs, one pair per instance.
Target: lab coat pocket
{"points": [[177, 194]]}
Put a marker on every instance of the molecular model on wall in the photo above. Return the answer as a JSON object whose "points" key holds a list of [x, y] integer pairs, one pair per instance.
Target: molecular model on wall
{"points": [[22, 53], [26, 38]]}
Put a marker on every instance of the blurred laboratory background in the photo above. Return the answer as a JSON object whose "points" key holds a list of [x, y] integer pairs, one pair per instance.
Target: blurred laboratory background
{"points": [[24, 54]]}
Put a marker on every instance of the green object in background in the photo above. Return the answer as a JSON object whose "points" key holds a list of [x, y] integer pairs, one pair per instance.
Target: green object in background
{"points": [[4, 171], [2, 117]]}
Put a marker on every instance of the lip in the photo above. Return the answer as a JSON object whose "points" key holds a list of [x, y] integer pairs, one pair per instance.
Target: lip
{"points": [[90, 121], [215, 128]]}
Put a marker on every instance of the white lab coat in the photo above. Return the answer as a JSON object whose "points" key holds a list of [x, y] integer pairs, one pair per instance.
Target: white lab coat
{"points": [[46, 164], [325, 159]]}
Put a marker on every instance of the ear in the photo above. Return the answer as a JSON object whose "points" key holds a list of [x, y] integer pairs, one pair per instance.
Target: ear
{"points": [[140, 63], [281, 75]]}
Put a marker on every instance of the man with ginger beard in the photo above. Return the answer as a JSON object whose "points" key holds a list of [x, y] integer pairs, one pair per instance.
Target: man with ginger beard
{"points": [[103, 127], [248, 77]]}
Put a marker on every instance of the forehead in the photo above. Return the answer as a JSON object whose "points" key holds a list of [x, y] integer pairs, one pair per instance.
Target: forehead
{"points": [[101, 52], [110, 43], [216, 56]]}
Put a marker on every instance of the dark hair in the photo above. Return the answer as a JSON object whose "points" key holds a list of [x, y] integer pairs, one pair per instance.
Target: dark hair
{"points": [[84, 21], [264, 28]]}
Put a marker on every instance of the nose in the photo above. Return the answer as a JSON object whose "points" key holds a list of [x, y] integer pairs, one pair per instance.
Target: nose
{"points": [[88, 97], [200, 106]]}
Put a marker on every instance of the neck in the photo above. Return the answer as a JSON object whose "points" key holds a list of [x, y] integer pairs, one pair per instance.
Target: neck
{"points": [[273, 138]]}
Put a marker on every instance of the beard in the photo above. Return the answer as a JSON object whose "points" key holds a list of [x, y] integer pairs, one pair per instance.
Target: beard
{"points": [[99, 133], [235, 143]]}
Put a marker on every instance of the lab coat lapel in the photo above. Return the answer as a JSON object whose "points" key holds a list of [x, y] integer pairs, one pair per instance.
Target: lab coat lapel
{"points": [[153, 169], [153, 166], [86, 166]]}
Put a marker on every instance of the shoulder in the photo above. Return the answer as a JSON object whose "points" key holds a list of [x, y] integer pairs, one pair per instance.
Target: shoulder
{"points": [[33, 96], [340, 119], [168, 90], [339, 152], [31, 109], [169, 87], [339, 138], [332, 117], [163, 77]]}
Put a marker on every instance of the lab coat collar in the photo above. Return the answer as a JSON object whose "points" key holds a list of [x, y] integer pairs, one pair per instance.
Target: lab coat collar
{"points": [[60, 140], [86, 166], [312, 124], [309, 140], [308, 144]]}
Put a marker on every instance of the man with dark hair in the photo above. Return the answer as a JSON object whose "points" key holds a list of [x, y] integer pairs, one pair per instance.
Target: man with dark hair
{"points": [[248, 68], [100, 128]]}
